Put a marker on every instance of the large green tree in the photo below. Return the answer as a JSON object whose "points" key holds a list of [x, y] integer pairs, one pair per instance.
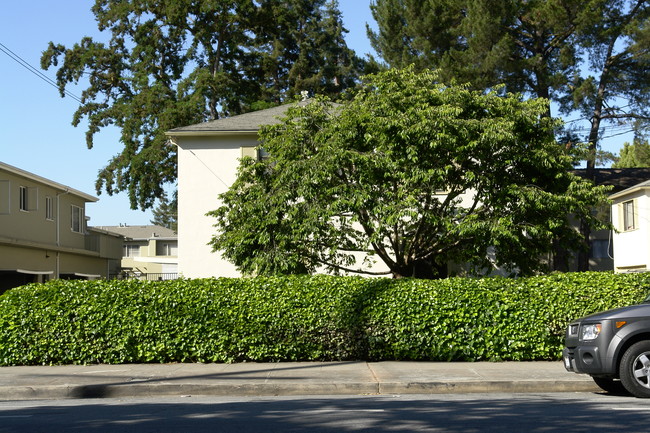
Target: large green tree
{"points": [[592, 58], [170, 63], [411, 172], [615, 86]]}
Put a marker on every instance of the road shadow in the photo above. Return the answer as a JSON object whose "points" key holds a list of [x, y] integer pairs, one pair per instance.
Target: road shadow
{"points": [[486, 413]]}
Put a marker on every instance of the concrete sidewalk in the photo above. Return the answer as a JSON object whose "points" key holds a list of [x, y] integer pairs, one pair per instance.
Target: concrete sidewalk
{"points": [[303, 378]]}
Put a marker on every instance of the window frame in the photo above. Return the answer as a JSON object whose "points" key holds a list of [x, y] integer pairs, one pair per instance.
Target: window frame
{"points": [[79, 212], [49, 208], [127, 250], [628, 217], [27, 198], [166, 248], [23, 198]]}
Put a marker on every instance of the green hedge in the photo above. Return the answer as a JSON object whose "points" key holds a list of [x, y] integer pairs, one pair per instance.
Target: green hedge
{"points": [[302, 318]]}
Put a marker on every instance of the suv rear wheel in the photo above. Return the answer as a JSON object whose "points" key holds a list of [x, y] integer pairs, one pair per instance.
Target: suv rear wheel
{"points": [[635, 369]]}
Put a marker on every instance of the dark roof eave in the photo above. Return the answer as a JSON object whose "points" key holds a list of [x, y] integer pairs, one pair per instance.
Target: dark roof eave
{"points": [[179, 132], [619, 178]]}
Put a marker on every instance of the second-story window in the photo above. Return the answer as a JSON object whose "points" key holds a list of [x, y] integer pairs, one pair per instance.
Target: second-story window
{"points": [[28, 197], [77, 223], [131, 250], [23, 198], [629, 222], [49, 208], [166, 249]]}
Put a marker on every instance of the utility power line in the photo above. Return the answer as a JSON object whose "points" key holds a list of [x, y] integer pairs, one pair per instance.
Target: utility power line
{"points": [[22, 62]]}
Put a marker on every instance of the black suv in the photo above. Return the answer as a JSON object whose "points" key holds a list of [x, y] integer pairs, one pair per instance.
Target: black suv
{"points": [[613, 347]]}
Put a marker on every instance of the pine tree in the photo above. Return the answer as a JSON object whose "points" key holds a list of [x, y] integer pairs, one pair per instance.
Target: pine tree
{"points": [[633, 155], [165, 214]]}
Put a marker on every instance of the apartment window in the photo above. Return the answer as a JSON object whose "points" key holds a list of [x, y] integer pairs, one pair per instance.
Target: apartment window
{"points": [[28, 198], [166, 249], [629, 222], [77, 223], [258, 153], [262, 154], [49, 208], [23, 198], [131, 250]]}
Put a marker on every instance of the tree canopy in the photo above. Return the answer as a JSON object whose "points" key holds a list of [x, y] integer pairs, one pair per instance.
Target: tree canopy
{"points": [[173, 63], [634, 155], [526, 45], [590, 57], [410, 172]]}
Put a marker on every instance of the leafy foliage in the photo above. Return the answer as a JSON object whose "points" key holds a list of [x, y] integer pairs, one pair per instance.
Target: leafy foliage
{"points": [[591, 57], [633, 155], [411, 173], [302, 318], [174, 63]]}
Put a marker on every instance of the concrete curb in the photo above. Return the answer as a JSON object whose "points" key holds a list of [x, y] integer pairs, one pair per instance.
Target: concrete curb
{"points": [[286, 379], [248, 390]]}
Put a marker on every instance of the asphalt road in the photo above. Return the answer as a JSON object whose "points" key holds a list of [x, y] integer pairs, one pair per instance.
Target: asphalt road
{"points": [[552, 412]]}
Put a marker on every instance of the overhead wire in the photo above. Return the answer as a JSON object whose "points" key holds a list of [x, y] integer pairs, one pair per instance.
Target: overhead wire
{"points": [[15, 57], [612, 129]]}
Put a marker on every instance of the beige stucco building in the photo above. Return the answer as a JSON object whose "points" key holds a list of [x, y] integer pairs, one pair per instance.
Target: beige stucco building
{"points": [[150, 251], [631, 220], [208, 157], [43, 232]]}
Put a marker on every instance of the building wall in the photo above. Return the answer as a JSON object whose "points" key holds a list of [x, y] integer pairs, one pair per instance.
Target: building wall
{"points": [[37, 236], [46, 260], [33, 224], [19, 257], [632, 247], [148, 260], [207, 166], [80, 265]]}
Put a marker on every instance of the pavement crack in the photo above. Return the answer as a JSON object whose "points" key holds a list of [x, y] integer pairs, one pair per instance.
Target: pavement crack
{"points": [[374, 377]]}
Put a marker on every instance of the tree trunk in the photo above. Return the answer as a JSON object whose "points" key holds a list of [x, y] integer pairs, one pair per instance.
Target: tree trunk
{"points": [[590, 172], [422, 269]]}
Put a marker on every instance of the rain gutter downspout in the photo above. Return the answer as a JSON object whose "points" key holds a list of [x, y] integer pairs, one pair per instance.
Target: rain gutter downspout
{"points": [[58, 232]]}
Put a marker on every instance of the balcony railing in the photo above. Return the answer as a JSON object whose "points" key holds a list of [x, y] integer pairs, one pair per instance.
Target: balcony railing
{"points": [[144, 277]]}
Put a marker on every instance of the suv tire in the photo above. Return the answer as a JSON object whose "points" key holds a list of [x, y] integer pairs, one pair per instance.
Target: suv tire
{"points": [[610, 385], [635, 369]]}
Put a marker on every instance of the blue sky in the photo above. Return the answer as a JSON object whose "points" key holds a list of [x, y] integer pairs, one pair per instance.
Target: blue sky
{"points": [[35, 121], [37, 134]]}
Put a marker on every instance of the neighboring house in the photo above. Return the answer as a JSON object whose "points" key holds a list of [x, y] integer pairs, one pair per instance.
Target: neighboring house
{"points": [[43, 233], [150, 252], [603, 250], [631, 219]]}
